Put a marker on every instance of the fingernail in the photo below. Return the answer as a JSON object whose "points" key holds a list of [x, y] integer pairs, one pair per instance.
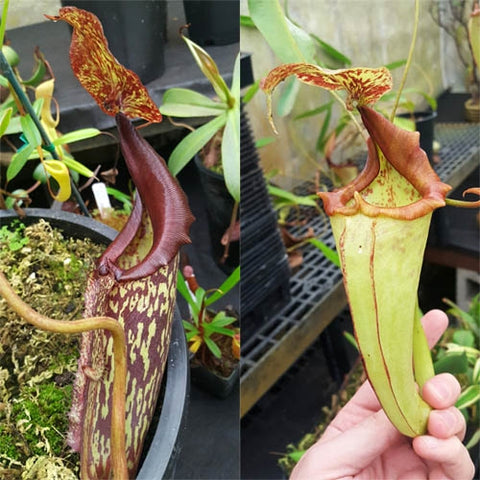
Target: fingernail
{"points": [[447, 418], [440, 391]]}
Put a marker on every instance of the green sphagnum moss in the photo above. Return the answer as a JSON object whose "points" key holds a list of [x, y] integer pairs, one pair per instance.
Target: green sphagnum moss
{"points": [[37, 368]]}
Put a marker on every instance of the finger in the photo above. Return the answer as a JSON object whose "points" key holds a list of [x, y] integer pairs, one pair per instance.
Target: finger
{"points": [[447, 423], [434, 322], [441, 391], [451, 456]]}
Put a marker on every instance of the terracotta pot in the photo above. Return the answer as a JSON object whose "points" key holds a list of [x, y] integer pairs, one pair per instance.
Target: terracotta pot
{"points": [[472, 111]]}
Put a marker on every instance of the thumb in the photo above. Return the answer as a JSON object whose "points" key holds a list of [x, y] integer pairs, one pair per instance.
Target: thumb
{"points": [[341, 456]]}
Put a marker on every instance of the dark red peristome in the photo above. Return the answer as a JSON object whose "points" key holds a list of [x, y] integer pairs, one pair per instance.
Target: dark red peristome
{"points": [[401, 149], [164, 201]]}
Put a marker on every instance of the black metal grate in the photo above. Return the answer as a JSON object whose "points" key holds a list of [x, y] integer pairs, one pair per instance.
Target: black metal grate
{"points": [[459, 142], [317, 275]]}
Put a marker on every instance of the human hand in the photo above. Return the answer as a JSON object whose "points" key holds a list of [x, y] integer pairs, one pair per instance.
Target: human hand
{"points": [[362, 443]]}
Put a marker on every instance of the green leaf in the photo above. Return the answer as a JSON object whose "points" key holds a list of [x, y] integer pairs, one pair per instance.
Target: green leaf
{"points": [[189, 326], [199, 300], [351, 339], [231, 153], [332, 52], [182, 102], [231, 138], [209, 69], [476, 372], [432, 102], [3, 21], [468, 397], [466, 338], [72, 164], [474, 439], [331, 254], [322, 136], [3, 81], [19, 160], [183, 290], [315, 111], [37, 106], [30, 131], [288, 96], [296, 455], [76, 136], [474, 310], [455, 362], [304, 40], [397, 64], [246, 21], [193, 143], [39, 72], [222, 320], [405, 123], [121, 197], [228, 332], [14, 126], [225, 287], [235, 86], [474, 36], [189, 335], [263, 142], [251, 91], [269, 18], [212, 346], [463, 316], [5, 120], [307, 200]]}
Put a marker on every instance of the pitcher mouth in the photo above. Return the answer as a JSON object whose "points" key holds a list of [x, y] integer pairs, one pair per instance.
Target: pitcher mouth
{"points": [[389, 143]]}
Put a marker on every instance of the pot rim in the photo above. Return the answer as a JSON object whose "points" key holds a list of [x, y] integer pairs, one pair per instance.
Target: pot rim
{"points": [[160, 459]]}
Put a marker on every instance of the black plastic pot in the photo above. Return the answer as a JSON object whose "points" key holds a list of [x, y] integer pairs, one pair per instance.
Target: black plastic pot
{"points": [[212, 383], [135, 30], [213, 22], [425, 125], [159, 461], [264, 286], [219, 204]]}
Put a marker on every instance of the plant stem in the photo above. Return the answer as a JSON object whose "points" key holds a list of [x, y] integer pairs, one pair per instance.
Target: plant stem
{"points": [[409, 59], [117, 409], [9, 74]]}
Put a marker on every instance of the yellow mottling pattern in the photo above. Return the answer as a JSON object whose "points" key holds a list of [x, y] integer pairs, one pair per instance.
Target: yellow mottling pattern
{"points": [[145, 308]]}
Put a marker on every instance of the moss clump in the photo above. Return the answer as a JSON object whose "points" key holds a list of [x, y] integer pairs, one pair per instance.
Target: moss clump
{"points": [[37, 368], [39, 414], [8, 440]]}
